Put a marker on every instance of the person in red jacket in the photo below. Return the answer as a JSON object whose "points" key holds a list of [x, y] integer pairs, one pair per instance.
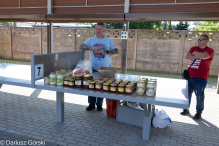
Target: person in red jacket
{"points": [[198, 73]]}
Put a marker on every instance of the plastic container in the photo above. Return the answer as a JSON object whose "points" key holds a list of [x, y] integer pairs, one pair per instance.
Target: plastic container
{"points": [[106, 86], [52, 78], [78, 81], [46, 80], [60, 79]]}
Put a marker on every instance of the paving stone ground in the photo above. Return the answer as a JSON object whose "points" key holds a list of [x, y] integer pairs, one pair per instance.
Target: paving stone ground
{"points": [[29, 115]]}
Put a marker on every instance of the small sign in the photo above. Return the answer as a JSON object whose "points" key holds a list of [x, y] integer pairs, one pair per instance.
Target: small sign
{"points": [[124, 35], [39, 72]]}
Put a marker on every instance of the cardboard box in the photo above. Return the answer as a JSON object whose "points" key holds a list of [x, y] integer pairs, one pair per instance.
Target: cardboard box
{"points": [[107, 72]]}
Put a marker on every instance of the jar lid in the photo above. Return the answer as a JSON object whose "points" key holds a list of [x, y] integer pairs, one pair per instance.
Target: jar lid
{"points": [[59, 74], [58, 71], [98, 83], [92, 82], [113, 84], [121, 85], [63, 70], [52, 73], [46, 77], [140, 82], [87, 75], [71, 80], [106, 84], [66, 79], [151, 82], [128, 86]]}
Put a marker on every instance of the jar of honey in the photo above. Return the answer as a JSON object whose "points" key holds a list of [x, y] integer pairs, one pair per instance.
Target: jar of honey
{"points": [[106, 86], [121, 88], [86, 81], [71, 82], [92, 85], [113, 87], [78, 81], [99, 86], [128, 89]]}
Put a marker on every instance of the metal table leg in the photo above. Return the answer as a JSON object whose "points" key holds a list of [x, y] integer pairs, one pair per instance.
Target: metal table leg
{"points": [[147, 122], [1, 85], [60, 107]]}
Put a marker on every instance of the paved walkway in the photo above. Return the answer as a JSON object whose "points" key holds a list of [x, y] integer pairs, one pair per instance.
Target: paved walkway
{"points": [[28, 114]]}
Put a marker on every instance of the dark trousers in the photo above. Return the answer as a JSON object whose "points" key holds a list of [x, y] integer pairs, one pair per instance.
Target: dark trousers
{"points": [[198, 86]]}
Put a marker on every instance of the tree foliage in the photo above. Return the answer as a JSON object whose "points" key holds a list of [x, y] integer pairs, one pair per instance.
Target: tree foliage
{"points": [[134, 25], [182, 25], [169, 27], [208, 26]]}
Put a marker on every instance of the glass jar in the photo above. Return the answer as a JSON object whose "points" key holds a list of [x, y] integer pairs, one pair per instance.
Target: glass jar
{"points": [[91, 77], [106, 86], [66, 81], [78, 81], [67, 75], [46, 80], [113, 79], [91, 85], [57, 72], [71, 82], [60, 79], [98, 85], [70, 73], [140, 90], [113, 87], [121, 88], [86, 81], [63, 70], [150, 91], [52, 78], [129, 89]]}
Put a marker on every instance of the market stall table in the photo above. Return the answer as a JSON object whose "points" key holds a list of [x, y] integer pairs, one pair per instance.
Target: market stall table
{"points": [[170, 92]]}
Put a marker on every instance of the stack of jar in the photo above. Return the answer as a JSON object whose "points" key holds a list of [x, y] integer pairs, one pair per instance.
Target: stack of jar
{"points": [[141, 86], [151, 87], [113, 85]]}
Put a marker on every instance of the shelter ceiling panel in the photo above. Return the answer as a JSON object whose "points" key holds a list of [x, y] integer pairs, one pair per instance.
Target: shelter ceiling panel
{"points": [[9, 3], [175, 8], [101, 2], [23, 11], [195, 1], [69, 2], [88, 10], [150, 1], [31, 3]]}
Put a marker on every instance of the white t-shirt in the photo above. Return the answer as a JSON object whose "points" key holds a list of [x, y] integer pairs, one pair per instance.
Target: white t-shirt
{"points": [[96, 58]]}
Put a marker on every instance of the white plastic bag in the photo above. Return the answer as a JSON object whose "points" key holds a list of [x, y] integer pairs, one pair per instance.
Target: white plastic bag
{"points": [[83, 67], [134, 105], [161, 119]]}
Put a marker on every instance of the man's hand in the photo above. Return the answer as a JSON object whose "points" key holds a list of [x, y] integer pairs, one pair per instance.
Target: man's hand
{"points": [[102, 52], [195, 53], [95, 48]]}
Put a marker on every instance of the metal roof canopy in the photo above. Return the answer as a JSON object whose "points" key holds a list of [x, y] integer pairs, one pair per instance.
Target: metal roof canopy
{"points": [[117, 17]]}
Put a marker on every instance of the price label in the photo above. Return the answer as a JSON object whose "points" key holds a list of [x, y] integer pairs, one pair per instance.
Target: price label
{"points": [[39, 72], [124, 35]]}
